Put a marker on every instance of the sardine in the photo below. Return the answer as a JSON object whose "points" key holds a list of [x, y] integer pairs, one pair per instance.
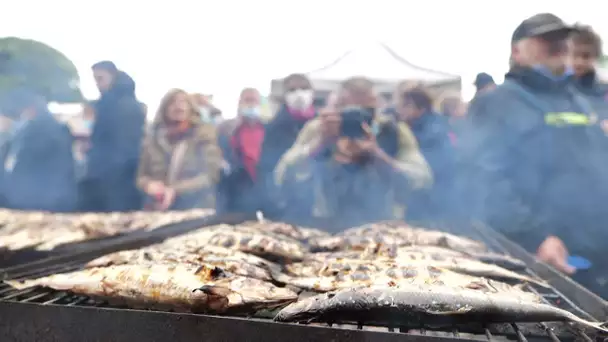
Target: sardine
{"points": [[433, 305], [458, 265], [501, 260], [395, 233], [246, 239], [160, 251], [374, 276], [289, 230], [204, 288]]}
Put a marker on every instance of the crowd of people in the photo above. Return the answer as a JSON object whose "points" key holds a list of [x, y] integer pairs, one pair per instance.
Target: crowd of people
{"points": [[527, 156]]}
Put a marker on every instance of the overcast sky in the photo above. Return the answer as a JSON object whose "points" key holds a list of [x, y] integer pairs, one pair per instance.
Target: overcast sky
{"points": [[220, 47]]}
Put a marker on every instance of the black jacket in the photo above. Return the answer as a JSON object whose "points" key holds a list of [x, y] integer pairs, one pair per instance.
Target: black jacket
{"points": [[118, 131], [43, 173], [537, 157]]}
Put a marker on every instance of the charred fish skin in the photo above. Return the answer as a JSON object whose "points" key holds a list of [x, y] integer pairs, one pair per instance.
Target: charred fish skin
{"points": [[430, 304], [201, 289]]}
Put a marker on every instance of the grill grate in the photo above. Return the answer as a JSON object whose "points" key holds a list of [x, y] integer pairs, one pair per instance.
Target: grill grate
{"points": [[492, 332]]}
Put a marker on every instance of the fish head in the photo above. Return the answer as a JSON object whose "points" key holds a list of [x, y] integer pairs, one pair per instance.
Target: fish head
{"points": [[245, 291], [212, 298], [302, 310]]}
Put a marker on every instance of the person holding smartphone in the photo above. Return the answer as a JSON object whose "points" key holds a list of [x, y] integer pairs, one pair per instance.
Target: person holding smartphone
{"points": [[352, 178], [404, 155]]}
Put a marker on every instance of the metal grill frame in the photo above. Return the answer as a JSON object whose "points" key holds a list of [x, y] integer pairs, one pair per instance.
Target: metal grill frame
{"points": [[42, 323], [72, 322]]}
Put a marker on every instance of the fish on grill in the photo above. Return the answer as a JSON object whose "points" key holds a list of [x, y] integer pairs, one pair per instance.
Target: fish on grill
{"points": [[289, 230], [424, 252], [459, 265], [234, 262], [387, 276], [428, 304], [399, 234], [245, 239], [157, 252], [502, 260], [45, 231], [204, 288]]}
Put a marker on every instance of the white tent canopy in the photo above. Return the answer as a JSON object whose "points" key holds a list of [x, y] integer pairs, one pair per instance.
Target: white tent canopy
{"points": [[378, 62]]}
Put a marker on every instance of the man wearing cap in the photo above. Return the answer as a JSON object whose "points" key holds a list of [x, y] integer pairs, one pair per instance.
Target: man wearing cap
{"points": [[536, 151], [484, 82]]}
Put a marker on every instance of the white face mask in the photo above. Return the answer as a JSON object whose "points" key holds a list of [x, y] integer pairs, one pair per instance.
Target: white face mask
{"points": [[299, 99], [251, 112]]}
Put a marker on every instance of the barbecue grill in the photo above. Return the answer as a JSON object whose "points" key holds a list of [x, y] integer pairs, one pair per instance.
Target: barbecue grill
{"points": [[40, 314]]}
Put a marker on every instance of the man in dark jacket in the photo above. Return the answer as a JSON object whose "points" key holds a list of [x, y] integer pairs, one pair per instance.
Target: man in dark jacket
{"points": [[431, 130], [537, 154], [115, 143], [38, 162]]}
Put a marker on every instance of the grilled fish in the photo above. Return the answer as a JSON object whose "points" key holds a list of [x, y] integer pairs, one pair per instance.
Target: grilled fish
{"points": [[235, 266], [431, 304], [391, 233], [378, 276], [45, 231], [502, 260], [246, 239], [289, 230], [160, 251], [204, 288], [458, 265]]}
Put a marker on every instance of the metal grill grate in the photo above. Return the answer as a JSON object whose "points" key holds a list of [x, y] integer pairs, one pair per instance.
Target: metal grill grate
{"points": [[527, 332]]}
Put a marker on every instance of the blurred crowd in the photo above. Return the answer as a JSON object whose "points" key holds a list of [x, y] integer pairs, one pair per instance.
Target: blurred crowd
{"points": [[527, 157]]}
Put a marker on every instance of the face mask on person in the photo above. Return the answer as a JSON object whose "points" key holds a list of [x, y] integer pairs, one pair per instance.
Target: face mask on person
{"points": [[299, 99], [250, 112], [543, 69]]}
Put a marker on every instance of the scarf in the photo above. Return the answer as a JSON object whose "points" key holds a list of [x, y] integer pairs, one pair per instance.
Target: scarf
{"points": [[302, 115], [247, 143]]}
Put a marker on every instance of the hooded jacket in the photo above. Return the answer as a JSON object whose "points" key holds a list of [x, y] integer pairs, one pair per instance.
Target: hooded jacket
{"points": [[117, 133], [198, 172], [537, 162]]}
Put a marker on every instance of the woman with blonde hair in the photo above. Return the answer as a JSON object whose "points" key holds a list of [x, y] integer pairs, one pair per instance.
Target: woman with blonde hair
{"points": [[180, 162]]}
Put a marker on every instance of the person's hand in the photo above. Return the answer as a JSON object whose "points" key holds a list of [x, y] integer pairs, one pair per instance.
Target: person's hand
{"points": [[330, 123], [155, 188], [554, 252], [168, 199], [369, 144]]}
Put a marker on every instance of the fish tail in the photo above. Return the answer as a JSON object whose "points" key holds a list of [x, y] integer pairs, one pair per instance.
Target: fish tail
{"points": [[20, 285], [594, 325], [535, 281]]}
